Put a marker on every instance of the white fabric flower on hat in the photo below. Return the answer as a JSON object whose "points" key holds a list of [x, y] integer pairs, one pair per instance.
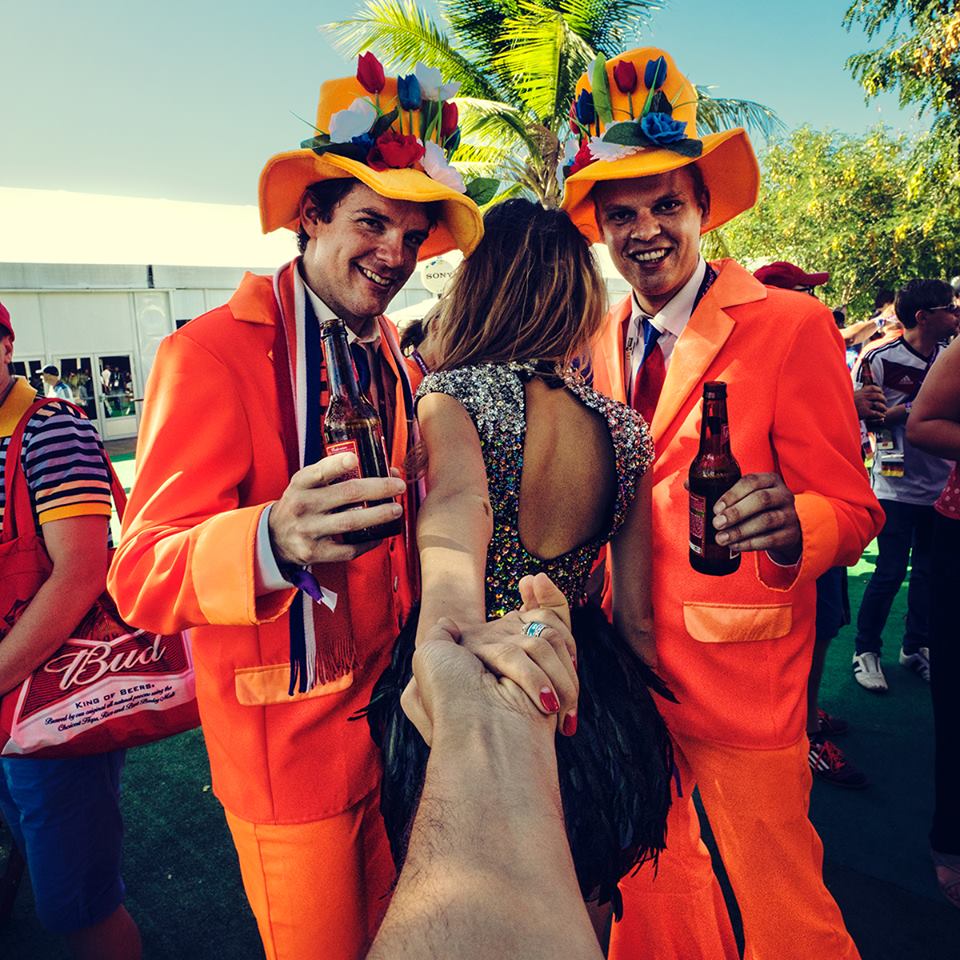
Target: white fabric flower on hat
{"points": [[601, 150], [437, 167], [431, 83], [357, 119]]}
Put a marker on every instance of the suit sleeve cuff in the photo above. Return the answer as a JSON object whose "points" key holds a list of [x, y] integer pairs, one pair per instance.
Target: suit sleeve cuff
{"points": [[223, 565], [266, 571], [821, 540]]}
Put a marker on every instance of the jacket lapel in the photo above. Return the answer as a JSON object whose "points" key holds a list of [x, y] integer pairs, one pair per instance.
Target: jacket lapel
{"points": [[608, 357], [707, 330]]}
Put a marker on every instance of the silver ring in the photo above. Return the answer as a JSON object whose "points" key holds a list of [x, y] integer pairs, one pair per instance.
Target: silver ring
{"points": [[534, 629]]}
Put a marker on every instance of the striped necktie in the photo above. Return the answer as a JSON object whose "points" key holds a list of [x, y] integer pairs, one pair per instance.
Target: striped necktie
{"points": [[650, 375]]}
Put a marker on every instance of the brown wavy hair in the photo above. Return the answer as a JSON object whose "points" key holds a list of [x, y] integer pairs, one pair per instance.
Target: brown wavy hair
{"points": [[530, 291]]}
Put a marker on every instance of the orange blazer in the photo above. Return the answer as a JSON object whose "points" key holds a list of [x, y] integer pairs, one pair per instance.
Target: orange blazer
{"points": [[736, 650], [209, 460]]}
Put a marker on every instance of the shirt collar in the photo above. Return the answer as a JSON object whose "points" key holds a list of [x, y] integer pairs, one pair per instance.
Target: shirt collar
{"points": [[323, 313], [673, 316]]}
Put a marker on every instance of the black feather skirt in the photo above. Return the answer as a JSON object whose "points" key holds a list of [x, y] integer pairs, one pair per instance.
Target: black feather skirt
{"points": [[615, 772]]}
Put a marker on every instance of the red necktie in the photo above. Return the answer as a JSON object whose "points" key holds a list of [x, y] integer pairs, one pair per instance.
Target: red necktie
{"points": [[650, 375]]}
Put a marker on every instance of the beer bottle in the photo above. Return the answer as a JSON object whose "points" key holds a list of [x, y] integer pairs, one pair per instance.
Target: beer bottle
{"points": [[351, 425], [713, 472], [867, 380]]}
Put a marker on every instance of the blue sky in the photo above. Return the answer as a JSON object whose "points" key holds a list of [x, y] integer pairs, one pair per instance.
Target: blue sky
{"points": [[185, 99]]}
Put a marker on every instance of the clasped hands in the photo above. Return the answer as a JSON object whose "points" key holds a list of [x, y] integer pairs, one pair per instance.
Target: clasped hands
{"points": [[502, 667]]}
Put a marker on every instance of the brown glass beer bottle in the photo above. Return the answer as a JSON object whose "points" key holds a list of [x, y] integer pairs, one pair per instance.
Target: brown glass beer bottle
{"points": [[351, 425], [867, 380], [713, 472]]}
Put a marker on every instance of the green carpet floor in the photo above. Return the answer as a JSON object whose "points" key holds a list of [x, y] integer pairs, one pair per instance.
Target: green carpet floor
{"points": [[184, 888]]}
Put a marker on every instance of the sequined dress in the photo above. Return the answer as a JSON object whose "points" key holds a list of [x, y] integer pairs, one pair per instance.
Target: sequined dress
{"points": [[615, 771]]}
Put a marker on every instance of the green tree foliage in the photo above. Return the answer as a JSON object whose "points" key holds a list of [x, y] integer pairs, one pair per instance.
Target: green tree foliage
{"points": [[920, 57], [518, 62], [875, 211]]}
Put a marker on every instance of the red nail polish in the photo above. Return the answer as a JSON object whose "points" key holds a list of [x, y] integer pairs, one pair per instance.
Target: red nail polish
{"points": [[550, 703], [569, 724]]}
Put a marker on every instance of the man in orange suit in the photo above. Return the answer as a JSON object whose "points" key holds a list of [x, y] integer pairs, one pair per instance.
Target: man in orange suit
{"points": [[735, 650], [235, 505]]}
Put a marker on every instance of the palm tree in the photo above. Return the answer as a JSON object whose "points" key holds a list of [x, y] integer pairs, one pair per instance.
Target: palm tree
{"points": [[518, 62]]}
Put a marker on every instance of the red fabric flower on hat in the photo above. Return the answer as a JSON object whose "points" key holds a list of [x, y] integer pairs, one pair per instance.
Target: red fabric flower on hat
{"points": [[625, 76], [583, 158], [370, 73], [449, 119], [395, 151]]}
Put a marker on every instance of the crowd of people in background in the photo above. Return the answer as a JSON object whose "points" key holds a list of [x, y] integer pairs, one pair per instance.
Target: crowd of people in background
{"points": [[510, 608]]}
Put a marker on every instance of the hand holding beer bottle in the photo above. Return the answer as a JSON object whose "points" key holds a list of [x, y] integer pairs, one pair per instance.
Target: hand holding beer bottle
{"points": [[341, 506], [757, 512]]}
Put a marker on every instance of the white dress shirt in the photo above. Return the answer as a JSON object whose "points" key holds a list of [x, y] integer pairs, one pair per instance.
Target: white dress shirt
{"points": [[670, 321]]}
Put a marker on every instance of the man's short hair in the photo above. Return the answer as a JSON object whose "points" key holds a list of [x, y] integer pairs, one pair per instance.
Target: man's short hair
{"points": [[921, 295], [52, 370], [883, 298], [326, 194]]}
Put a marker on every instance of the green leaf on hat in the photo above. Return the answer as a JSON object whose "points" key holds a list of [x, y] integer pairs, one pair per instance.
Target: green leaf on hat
{"points": [[482, 190], [314, 142], [352, 151], [686, 148], [628, 134], [600, 86], [429, 116], [384, 123]]}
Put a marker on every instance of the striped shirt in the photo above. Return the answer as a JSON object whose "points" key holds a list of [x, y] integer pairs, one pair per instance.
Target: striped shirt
{"points": [[62, 457]]}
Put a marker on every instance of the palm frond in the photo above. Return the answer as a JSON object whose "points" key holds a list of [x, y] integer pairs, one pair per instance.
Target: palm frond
{"points": [[608, 26], [721, 113], [540, 56], [492, 122], [401, 33]]}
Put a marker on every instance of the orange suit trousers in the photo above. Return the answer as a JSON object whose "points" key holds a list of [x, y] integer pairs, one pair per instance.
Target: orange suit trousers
{"points": [[757, 803], [317, 889]]}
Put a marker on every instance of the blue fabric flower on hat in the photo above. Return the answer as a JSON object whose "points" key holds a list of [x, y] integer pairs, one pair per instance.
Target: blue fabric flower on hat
{"points": [[655, 73], [585, 110], [408, 92], [660, 128], [365, 141]]}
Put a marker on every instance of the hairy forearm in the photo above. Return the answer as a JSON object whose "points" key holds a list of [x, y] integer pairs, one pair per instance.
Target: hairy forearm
{"points": [[56, 608], [453, 533], [489, 871]]}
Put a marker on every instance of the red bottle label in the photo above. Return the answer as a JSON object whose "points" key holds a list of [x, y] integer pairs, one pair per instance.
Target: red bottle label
{"points": [[698, 513], [346, 446]]}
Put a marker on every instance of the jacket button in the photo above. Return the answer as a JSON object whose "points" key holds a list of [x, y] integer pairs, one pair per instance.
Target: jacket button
{"points": [[396, 584]]}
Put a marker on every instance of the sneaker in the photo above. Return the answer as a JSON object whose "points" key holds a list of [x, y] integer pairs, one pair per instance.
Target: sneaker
{"points": [[831, 726], [918, 661], [867, 672], [828, 763]]}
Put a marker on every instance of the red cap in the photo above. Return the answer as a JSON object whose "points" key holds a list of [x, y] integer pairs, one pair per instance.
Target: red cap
{"points": [[5, 320], [788, 276]]}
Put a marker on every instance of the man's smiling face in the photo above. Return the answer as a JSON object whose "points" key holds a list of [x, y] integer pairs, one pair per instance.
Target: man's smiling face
{"points": [[651, 226], [358, 261]]}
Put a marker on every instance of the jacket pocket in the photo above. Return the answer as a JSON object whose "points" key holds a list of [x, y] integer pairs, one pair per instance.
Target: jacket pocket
{"points": [[734, 623], [261, 686]]}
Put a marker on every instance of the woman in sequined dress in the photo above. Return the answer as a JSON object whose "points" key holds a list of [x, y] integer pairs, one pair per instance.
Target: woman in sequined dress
{"points": [[530, 470]]}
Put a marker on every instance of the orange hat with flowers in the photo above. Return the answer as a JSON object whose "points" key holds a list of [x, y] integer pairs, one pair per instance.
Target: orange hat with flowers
{"points": [[636, 116], [396, 135]]}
